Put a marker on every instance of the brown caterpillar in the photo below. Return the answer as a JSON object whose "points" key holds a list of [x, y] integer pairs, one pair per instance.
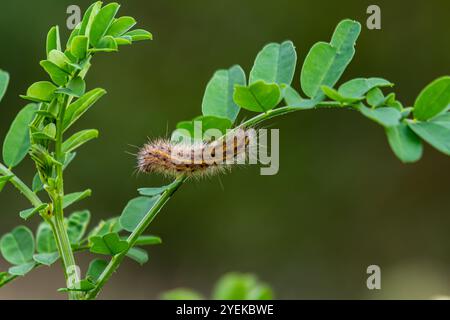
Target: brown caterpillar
{"points": [[196, 159]]}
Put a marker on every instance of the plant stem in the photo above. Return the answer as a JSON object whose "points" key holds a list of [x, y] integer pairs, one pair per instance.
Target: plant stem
{"points": [[22, 187], [145, 222], [60, 232], [285, 110]]}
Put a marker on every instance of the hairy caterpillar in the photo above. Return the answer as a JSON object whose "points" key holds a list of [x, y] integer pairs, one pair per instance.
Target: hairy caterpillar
{"points": [[198, 158]]}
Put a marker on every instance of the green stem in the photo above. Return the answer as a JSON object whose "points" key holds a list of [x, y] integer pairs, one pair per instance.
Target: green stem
{"points": [[285, 110], [22, 187], [145, 222], [60, 231]]}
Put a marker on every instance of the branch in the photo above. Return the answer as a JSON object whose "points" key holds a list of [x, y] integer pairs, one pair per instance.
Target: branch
{"points": [[145, 222], [21, 186]]}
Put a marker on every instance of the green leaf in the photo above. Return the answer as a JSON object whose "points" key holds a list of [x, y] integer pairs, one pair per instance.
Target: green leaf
{"points": [[258, 97], [4, 277], [4, 80], [139, 255], [404, 143], [443, 120], [357, 88], [71, 198], [435, 132], [123, 40], [135, 211], [386, 117], [291, 96], [121, 26], [17, 247], [88, 18], [78, 139], [47, 259], [27, 214], [37, 184], [80, 286], [151, 192], [4, 180], [106, 44], [433, 100], [275, 63], [96, 267], [108, 226], [42, 91], [148, 240], [59, 59], [53, 41], [102, 22], [78, 108], [17, 140], [335, 95], [75, 32], [234, 286], [218, 97], [58, 75], [139, 35], [198, 128], [77, 224], [45, 241], [75, 88], [47, 133], [182, 294], [79, 46], [375, 98], [326, 62], [260, 292], [109, 244], [23, 269]]}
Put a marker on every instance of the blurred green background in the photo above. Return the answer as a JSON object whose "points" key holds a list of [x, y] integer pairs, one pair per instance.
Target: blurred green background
{"points": [[341, 200]]}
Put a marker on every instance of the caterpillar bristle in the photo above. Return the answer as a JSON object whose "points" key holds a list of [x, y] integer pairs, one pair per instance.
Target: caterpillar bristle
{"points": [[198, 159]]}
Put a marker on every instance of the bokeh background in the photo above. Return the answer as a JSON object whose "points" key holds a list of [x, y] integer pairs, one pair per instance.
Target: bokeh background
{"points": [[341, 200]]}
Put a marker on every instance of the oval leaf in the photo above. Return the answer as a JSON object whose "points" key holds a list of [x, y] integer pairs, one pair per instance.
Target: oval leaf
{"points": [[102, 21], [71, 198], [135, 211], [17, 141], [17, 247], [120, 26], [218, 97], [139, 255], [95, 269], [357, 88], [53, 40], [436, 133], [433, 100], [22, 269], [46, 259], [139, 35], [42, 91], [77, 224], [275, 63], [45, 241], [79, 139], [4, 80], [78, 108], [404, 143], [79, 46]]}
